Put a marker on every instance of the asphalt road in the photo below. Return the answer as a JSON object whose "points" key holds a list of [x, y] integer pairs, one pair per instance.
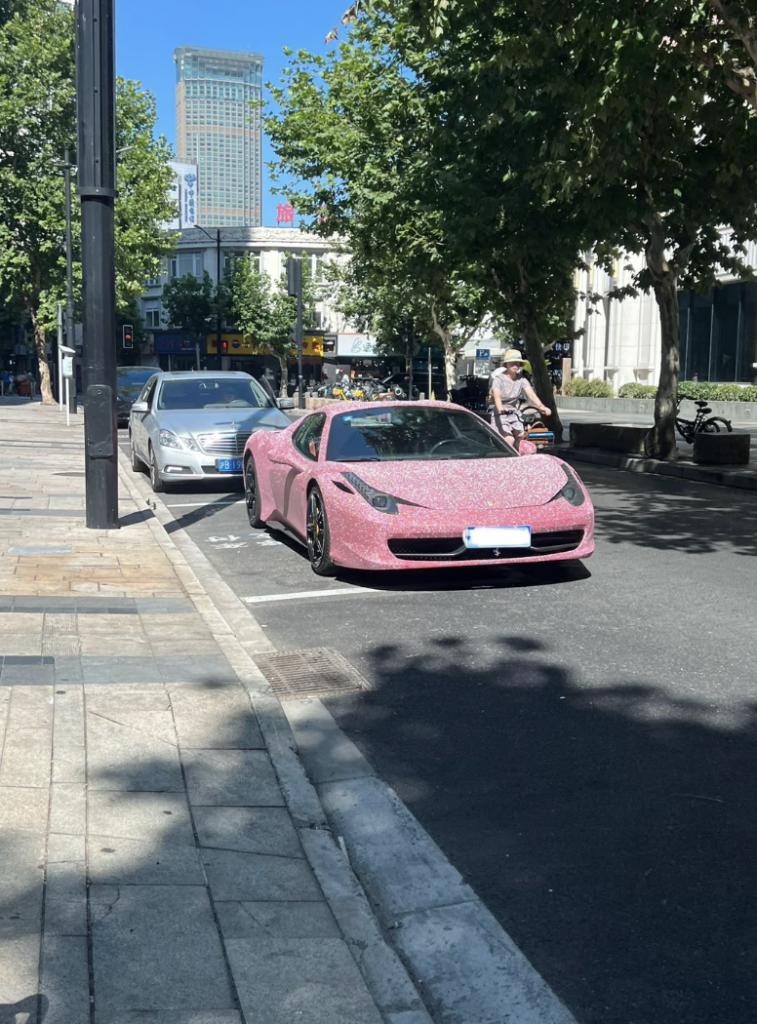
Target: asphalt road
{"points": [[582, 744]]}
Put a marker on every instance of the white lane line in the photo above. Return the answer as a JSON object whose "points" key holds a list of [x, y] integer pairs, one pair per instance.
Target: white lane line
{"points": [[302, 594], [204, 504]]}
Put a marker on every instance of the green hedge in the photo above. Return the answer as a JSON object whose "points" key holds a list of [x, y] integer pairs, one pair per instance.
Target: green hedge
{"points": [[699, 391], [577, 387], [637, 391]]}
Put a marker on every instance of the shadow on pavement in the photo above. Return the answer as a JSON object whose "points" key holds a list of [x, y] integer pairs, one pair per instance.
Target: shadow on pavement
{"points": [[610, 830], [196, 515]]}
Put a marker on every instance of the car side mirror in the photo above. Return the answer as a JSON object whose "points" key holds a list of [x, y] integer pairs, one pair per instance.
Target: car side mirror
{"points": [[285, 403], [139, 407], [526, 447]]}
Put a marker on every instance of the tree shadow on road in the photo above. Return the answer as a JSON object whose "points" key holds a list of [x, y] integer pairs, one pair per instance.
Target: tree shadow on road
{"points": [[610, 830], [670, 514]]}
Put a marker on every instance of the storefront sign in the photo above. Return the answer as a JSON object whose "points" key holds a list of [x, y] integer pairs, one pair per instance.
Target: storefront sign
{"points": [[167, 343], [362, 345], [312, 345], [236, 345]]}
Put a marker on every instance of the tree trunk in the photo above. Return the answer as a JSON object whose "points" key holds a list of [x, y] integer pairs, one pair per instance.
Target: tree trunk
{"points": [[542, 381], [666, 401], [450, 366], [40, 346], [284, 375]]}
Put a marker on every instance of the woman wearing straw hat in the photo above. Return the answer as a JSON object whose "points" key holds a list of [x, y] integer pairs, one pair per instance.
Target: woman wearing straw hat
{"points": [[507, 391]]}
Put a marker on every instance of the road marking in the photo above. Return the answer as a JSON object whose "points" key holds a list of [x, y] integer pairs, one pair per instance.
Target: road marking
{"points": [[302, 595], [203, 504]]}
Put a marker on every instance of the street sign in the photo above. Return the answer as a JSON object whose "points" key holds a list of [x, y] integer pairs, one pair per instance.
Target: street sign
{"points": [[481, 368], [483, 354], [67, 366]]}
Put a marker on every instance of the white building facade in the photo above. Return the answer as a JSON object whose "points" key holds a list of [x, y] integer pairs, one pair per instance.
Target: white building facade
{"points": [[620, 342]]}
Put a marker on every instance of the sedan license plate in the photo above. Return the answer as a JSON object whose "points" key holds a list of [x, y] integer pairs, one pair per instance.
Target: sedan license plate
{"points": [[497, 537], [229, 465]]}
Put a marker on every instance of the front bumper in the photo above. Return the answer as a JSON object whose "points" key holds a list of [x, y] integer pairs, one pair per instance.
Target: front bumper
{"points": [[178, 464], [426, 539]]}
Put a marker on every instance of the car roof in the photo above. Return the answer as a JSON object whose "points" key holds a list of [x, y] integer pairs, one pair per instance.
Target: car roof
{"points": [[203, 374], [346, 407]]}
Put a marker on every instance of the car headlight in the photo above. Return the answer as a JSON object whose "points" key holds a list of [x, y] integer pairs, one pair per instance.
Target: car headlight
{"points": [[378, 499], [170, 440], [572, 491]]}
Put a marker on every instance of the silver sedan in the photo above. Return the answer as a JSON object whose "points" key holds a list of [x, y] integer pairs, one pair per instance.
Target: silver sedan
{"points": [[194, 426]]}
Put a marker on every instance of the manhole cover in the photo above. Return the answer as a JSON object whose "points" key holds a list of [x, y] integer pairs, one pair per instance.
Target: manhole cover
{"points": [[314, 673]]}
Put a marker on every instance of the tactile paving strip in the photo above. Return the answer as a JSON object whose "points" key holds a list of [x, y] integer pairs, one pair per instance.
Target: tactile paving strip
{"points": [[318, 672]]}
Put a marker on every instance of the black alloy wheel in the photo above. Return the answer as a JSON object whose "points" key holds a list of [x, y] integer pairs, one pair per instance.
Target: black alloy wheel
{"points": [[155, 482], [251, 494], [319, 540]]}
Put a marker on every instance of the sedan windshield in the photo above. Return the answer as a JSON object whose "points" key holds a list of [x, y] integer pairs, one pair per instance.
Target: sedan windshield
{"points": [[397, 432], [213, 393]]}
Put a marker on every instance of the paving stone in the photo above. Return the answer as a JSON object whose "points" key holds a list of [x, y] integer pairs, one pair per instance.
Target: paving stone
{"points": [[66, 898], [68, 809], [123, 669], [68, 671], [19, 976], [209, 670], [24, 808], [251, 876], [231, 778], [63, 848], [284, 920], [28, 739], [316, 980], [21, 643], [157, 948], [27, 675], [214, 718], [169, 1017], [142, 838], [65, 979], [69, 752], [267, 830], [123, 758]]}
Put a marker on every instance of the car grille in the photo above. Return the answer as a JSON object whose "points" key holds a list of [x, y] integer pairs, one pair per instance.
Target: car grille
{"points": [[452, 549], [225, 444]]}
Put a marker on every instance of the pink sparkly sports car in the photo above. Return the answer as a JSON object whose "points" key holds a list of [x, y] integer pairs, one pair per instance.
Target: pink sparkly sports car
{"points": [[411, 485]]}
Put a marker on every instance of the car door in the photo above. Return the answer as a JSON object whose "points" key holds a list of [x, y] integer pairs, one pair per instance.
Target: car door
{"points": [[138, 419], [290, 470]]}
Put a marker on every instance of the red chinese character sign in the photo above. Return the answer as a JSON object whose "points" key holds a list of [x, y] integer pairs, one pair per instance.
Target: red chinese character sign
{"points": [[285, 214]]}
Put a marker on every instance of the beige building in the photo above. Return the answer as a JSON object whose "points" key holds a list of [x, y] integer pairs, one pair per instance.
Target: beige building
{"points": [[220, 130]]}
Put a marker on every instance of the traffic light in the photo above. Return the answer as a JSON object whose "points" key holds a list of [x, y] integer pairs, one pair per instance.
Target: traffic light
{"points": [[224, 347], [128, 336]]}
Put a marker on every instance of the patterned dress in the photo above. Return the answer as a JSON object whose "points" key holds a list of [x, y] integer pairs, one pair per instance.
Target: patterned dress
{"points": [[511, 393]]}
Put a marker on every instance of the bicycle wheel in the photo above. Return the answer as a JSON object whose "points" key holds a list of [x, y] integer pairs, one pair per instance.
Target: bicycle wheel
{"points": [[686, 429], [715, 424]]}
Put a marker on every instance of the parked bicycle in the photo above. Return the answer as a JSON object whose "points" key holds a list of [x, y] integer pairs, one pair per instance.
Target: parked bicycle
{"points": [[703, 423]]}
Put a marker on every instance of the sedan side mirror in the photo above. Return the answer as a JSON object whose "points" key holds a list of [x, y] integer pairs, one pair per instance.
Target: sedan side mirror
{"points": [[285, 403], [140, 407], [527, 448]]}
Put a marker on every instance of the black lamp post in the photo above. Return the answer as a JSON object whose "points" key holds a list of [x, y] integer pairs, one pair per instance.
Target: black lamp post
{"points": [[96, 103]]}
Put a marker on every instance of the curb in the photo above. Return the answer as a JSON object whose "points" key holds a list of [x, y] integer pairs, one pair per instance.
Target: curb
{"points": [[233, 625], [744, 481]]}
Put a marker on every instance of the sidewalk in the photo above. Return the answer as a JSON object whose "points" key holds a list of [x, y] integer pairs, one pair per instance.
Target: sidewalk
{"points": [[164, 858]]}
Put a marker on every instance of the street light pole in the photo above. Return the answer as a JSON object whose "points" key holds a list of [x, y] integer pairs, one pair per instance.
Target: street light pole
{"points": [[219, 318], [96, 96], [70, 328]]}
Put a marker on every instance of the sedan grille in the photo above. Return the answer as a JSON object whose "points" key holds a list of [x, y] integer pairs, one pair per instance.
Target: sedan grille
{"points": [[452, 549], [226, 444]]}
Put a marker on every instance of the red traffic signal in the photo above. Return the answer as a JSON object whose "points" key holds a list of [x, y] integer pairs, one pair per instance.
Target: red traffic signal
{"points": [[128, 336], [224, 347]]}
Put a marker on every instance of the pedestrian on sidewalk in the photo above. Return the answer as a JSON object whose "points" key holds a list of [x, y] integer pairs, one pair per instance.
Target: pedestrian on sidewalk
{"points": [[508, 388]]}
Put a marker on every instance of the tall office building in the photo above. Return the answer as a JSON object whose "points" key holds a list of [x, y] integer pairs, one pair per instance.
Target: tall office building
{"points": [[219, 130]]}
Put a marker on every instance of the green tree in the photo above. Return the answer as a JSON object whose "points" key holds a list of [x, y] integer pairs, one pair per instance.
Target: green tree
{"points": [[37, 124], [190, 304]]}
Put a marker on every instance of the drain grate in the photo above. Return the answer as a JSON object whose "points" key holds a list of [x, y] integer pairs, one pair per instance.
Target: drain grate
{"points": [[314, 673]]}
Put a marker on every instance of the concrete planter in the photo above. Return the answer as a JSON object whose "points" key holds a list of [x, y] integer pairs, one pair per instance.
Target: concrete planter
{"points": [[610, 437], [741, 412], [722, 449]]}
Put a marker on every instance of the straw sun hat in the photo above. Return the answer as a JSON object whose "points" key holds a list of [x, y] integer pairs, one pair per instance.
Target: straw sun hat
{"points": [[512, 355]]}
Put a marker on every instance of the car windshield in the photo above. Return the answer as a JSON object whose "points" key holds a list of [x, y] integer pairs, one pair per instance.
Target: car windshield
{"points": [[127, 379], [213, 393], [413, 433]]}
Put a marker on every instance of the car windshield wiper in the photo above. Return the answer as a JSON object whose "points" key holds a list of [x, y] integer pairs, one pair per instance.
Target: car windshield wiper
{"points": [[367, 458]]}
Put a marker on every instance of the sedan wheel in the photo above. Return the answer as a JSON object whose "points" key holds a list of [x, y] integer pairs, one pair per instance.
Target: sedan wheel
{"points": [[155, 482], [318, 537], [251, 495]]}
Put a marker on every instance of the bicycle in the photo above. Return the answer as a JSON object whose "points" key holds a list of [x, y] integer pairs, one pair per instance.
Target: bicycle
{"points": [[700, 424]]}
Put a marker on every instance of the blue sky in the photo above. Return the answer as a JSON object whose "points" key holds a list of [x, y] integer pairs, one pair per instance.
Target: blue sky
{"points": [[148, 31]]}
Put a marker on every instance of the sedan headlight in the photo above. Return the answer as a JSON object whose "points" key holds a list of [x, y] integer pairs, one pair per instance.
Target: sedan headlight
{"points": [[572, 491], [170, 440], [378, 499]]}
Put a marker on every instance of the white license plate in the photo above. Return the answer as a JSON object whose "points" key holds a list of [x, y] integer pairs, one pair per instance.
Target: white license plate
{"points": [[497, 537]]}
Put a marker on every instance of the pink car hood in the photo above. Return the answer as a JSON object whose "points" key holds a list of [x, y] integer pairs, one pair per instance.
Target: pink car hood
{"points": [[466, 484]]}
